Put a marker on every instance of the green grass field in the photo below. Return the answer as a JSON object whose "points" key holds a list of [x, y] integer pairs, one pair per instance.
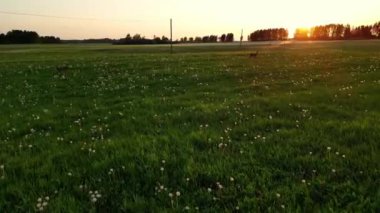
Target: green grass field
{"points": [[135, 129]]}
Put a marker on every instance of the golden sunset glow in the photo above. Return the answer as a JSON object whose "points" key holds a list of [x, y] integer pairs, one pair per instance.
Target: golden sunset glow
{"points": [[116, 18]]}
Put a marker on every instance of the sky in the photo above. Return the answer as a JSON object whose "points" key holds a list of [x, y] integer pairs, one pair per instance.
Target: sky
{"points": [[79, 19]]}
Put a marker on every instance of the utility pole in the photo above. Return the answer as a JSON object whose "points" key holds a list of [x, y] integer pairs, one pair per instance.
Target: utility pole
{"points": [[241, 37], [171, 36]]}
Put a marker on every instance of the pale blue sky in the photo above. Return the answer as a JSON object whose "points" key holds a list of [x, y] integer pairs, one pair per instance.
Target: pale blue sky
{"points": [[116, 18]]}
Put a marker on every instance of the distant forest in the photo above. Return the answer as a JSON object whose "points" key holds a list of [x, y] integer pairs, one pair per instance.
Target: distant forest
{"points": [[27, 37], [322, 32], [338, 32]]}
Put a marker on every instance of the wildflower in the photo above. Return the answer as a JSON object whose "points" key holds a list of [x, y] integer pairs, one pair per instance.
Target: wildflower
{"points": [[2, 166], [328, 148], [170, 195], [303, 181], [162, 169], [209, 189], [333, 170], [232, 179], [178, 193], [283, 206], [278, 195]]}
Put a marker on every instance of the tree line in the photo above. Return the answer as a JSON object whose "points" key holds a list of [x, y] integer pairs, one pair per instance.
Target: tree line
{"points": [[276, 34], [228, 37], [338, 32], [138, 39], [26, 37]]}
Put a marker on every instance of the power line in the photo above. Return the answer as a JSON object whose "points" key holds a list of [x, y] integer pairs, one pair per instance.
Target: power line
{"points": [[61, 17]]}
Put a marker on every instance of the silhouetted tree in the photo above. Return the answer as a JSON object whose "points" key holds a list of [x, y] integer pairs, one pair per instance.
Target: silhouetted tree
{"points": [[376, 29], [362, 32], [206, 39], [191, 39], [2, 38], [157, 40], [269, 35], [222, 38], [128, 37], [136, 37], [347, 32], [213, 38], [22, 37], [230, 37], [49, 40], [198, 39]]}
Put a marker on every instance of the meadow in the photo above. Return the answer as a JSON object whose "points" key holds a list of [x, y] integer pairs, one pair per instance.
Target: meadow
{"points": [[208, 129]]}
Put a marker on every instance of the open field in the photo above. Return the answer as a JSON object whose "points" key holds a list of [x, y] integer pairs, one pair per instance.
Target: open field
{"points": [[295, 130]]}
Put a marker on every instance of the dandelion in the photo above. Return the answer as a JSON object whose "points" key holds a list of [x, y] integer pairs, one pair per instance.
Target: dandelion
{"points": [[187, 208], [232, 179], [343, 156], [178, 193], [328, 148], [209, 189], [333, 170], [162, 169], [94, 199], [303, 181], [69, 174], [278, 195], [2, 166], [237, 207], [283, 206], [170, 195]]}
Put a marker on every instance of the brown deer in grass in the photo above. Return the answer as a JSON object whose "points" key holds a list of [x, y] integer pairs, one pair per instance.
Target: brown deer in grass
{"points": [[254, 55]]}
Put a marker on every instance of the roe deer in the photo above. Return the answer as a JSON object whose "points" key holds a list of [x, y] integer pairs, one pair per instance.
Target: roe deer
{"points": [[254, 55]]}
